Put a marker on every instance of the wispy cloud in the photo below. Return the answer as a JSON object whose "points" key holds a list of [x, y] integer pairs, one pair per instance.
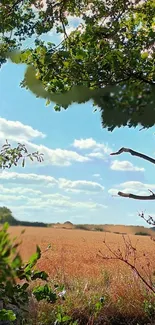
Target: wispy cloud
{"points": [[24, 204], [62, 183], [27, 178], [97, 150], [80, 186], [96, 175], [125, 166], [15, 131], [133, 187], [58, 156]]}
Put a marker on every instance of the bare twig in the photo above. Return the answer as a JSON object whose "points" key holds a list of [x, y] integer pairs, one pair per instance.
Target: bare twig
{"points": [[137, 197], [130, 258], [134, 153], [140, 155], [149, 220]]}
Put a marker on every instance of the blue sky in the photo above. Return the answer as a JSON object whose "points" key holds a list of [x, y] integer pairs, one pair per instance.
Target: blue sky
{"points": [[78, 180]]}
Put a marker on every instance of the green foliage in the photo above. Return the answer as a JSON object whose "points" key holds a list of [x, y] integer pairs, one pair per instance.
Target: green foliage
{"points": [[7, 315], [20, 20], [82, 227], [98, 229], [141, 233], [44, 292], [11, 156], [61, 318], [109, 59], [149, 306], [6, 216], [12, 271]]}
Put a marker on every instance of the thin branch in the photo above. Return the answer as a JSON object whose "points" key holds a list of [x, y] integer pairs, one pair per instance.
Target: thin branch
{"points": [[134, 153], [13, 6], [137, 197], [149, 220], [117, 255], [140, 155]]}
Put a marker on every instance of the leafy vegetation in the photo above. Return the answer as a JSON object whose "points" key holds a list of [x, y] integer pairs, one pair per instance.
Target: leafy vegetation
{"points": [[82, 227], [11, 156], [99, 229], [112, 297], [109, 58], [14, 295], [141, 233]]}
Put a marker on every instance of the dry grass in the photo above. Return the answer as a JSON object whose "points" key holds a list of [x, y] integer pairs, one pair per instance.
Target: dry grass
{"points": [[74, 260]]}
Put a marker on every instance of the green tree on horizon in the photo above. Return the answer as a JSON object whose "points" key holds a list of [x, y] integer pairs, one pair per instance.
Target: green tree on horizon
{"points": [[6, 216]]}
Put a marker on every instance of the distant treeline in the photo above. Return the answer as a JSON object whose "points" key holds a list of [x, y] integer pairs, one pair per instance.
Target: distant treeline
{"points": [[6, 216], [30, 224]]}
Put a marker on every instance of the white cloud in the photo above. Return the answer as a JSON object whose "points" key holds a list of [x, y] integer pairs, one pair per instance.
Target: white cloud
{"points": [[42, 202], [57, 157], [17, 131], [49, 181], [19, 190], [137, 185], [47, 202], [113, 191], [9, 198], [133, 187], [97, 155], [98, 150], [56, 196], [96, 175], [125, 166], [84, 143], [23, 178], [90, 143], [80, 186]]}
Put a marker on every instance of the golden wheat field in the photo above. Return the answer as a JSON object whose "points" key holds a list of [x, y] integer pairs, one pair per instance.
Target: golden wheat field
{"points": [[75, 259], [79, 253]]}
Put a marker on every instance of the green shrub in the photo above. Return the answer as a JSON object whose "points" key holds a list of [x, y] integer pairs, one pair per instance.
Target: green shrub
{"points": [[82, 227], [141, 233], [98, 229], [14, 296]]}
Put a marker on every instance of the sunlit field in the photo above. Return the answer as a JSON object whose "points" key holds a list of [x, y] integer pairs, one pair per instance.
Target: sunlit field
{"points": [[77, 252], [79, 260]]}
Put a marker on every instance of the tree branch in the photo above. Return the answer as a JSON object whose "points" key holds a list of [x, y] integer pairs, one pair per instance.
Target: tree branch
{"points": [[140, 155], [137, 197], [134, 153], [13, 6]]}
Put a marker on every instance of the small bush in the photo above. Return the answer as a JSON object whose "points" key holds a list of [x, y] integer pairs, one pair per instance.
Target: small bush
{"points": [[15, 278], [82, 227], [98, 229], [141, 233]]}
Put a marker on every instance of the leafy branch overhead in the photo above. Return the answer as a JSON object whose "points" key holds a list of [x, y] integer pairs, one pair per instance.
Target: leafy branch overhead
{"points": [[78, 94], [112, 47], [11, 156]]}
